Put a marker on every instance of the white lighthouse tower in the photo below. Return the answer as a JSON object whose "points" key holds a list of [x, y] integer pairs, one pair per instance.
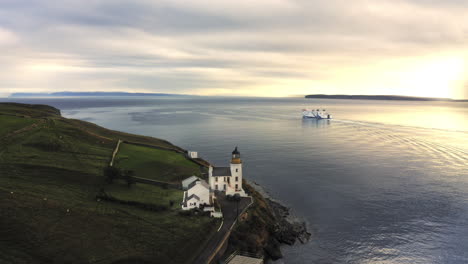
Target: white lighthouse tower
{"points": [[236, 173], [228, 179]]}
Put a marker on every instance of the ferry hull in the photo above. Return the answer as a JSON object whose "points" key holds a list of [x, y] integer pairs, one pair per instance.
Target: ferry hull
{"points": [[316, 117]]}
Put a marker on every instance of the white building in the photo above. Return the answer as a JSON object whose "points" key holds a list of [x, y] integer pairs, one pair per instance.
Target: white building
{"points": [[192, 154], [188, 181], [228, 179], [197, 194]]}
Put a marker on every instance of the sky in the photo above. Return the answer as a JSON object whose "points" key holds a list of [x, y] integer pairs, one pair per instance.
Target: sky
{"points": [[236, 48]]}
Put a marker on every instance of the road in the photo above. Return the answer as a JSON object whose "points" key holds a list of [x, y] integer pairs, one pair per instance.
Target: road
{"points": [[229, 209]]}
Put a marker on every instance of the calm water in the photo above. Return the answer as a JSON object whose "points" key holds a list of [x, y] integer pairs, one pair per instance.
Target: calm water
{"points": [[384, 182]]}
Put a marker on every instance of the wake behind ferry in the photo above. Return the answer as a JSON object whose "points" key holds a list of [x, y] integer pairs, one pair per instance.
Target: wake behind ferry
{"points": [[317, 114]]}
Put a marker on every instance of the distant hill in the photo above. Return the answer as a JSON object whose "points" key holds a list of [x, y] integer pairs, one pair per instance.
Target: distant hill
{"points": [[62, 94], [381, 97]]}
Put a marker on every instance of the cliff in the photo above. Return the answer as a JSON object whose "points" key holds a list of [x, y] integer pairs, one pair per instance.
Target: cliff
{"points": [[265, 226]]}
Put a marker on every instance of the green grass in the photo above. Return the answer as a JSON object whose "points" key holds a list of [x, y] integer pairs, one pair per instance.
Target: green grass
{"points": [[12, 123], [156, 164], [145, 193], [35, 230], [29, 110], [57, 166]]}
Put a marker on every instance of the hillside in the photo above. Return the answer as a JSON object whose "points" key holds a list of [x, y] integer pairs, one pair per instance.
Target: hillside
{"points": [[51, 171]]}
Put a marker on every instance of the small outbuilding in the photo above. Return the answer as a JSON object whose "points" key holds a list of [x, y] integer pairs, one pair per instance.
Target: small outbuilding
{"points": [[188, 181], [196, 195], [192, 154]]}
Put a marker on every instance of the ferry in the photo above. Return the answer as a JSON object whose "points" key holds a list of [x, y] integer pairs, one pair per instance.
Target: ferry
{"points": [[316, 113]]}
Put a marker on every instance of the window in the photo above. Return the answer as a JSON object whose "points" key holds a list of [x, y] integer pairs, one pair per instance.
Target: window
{"points": [[216, 186], [216, 179], [237, 187], [237, 178], [229, 180], [237, 170], [224, 186]]}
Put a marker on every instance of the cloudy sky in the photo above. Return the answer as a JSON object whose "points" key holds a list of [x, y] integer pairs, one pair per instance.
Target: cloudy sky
{"points": [[253, 48]]}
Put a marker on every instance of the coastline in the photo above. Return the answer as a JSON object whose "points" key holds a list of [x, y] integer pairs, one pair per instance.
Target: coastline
{"points": [[267, 223], [266, 226], [291, 228]]}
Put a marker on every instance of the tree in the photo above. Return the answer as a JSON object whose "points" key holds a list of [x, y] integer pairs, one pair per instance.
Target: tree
{"points": [[112, 173]]}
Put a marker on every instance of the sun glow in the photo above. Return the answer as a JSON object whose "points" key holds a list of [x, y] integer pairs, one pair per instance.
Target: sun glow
{"points": [[432, 76], [436, 78]]}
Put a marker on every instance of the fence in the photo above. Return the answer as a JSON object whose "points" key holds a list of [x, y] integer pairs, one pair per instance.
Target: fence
{"points": [[158, 183], [115, 153]]}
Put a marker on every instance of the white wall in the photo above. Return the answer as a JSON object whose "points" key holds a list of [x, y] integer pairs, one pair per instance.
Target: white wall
{"points": [[237, 174], [201, 191]]}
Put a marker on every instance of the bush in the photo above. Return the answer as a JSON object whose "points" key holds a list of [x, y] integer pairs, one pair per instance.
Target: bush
{"points": [[112, 173]]}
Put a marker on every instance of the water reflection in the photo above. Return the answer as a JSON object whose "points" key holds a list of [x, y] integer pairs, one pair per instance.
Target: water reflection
{"points": [[313, 122], [372, 186]]}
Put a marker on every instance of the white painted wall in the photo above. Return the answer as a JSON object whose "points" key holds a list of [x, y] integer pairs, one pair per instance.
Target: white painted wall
{"points": [[236, 171], [211, 179], [201, 191], [193, 154], [192, 203]]}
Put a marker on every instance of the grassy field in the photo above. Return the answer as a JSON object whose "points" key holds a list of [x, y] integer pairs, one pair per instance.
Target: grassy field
{"points": [[49, 177], [145, 193], [156, 164], [12, 123]]}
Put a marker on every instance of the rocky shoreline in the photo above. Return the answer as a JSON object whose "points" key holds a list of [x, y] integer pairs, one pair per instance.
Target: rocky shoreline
{"points": [[279, 227], [287, 230]]}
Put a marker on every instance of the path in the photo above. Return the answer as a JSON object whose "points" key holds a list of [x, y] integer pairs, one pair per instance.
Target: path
{"points": [[229, 209]]}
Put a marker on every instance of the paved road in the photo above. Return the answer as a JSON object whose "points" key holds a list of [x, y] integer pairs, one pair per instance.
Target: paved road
{"points": [[229, 209]]}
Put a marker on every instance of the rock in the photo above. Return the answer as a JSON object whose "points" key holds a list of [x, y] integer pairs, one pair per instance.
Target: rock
{"points": [[273, 250], [278, 227], [287, 229]]}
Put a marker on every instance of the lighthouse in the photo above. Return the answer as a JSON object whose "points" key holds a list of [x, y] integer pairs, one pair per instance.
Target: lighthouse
{"points": [[228, 179], [236, 171]]}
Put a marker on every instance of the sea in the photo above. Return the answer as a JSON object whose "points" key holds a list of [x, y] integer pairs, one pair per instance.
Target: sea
{"points": [[383, 182]]}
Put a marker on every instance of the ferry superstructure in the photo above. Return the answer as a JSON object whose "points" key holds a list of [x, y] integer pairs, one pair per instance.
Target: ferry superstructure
{"points": [[316, 113]]}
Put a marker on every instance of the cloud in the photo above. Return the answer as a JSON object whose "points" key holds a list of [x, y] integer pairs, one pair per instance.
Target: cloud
{"points": [[7, 38], [264, 47]]}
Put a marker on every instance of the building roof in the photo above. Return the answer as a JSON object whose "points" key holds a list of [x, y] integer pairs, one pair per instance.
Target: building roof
{"points": [[221, 171], [202, 182], [245, 260], [236, 151], [190, 179], [193, 196]]}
